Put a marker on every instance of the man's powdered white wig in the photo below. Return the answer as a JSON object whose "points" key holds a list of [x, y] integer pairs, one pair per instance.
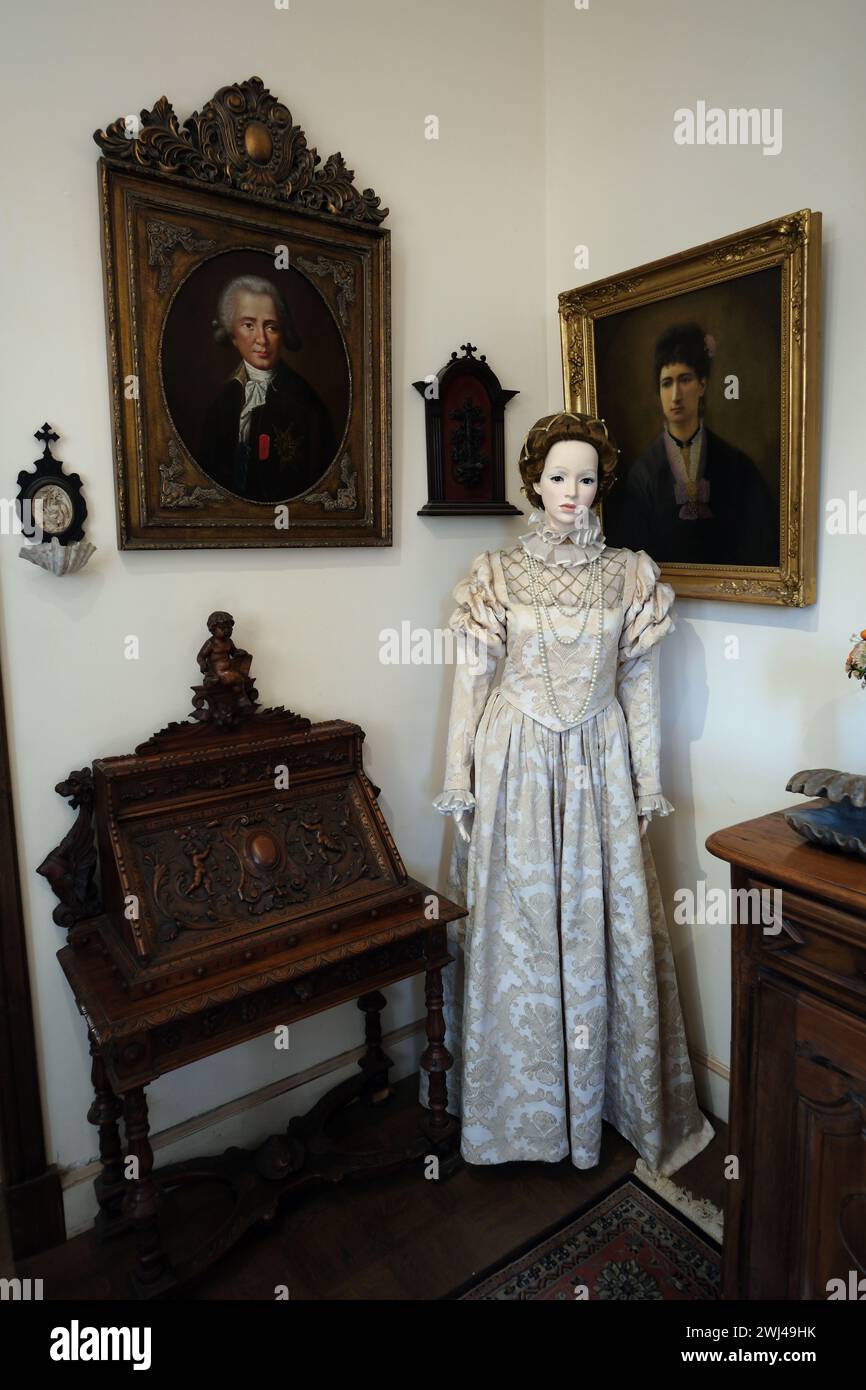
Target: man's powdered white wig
{"points": [[252, 284]]}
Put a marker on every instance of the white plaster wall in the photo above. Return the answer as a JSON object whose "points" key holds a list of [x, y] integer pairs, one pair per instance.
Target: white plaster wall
{"points": [[467, 215], [733, 730], [556, 128]]}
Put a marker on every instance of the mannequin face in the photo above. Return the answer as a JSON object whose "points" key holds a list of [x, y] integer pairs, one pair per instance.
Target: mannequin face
{"points": [[569, 482], [681, 391]]}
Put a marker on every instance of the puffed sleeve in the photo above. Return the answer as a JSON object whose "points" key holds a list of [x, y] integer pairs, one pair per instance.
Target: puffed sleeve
{"points": [[480, 622], [646, 620]]}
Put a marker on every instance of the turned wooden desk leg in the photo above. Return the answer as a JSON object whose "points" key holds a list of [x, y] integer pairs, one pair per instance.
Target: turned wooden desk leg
{"points": [[142, 1199], [436, 1061], [105, 1111], [374, 1064]]}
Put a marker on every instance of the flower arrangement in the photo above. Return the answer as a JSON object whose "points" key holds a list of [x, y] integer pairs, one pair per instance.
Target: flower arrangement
{"points": [[855, 662]]}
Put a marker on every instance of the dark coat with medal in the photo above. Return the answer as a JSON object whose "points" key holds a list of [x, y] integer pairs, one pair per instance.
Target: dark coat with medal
{"points": [[291, 439], [742, 530]]}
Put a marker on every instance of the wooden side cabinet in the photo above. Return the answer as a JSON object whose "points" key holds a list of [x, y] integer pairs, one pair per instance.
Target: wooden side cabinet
{"points": [[795, 1219]]}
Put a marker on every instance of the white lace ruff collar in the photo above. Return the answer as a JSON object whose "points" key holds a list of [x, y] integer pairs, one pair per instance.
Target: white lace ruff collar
{"points": [[578, 545]]}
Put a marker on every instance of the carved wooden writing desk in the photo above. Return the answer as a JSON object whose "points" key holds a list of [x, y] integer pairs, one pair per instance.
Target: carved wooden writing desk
{"points": [[232, 875]]}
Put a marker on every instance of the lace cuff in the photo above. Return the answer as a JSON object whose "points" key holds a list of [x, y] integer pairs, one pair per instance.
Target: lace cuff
{"points": [[653, 802], [448, 802]]}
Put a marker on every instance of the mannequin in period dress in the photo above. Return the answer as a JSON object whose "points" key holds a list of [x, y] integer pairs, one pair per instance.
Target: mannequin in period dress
{"points": [[562, 1006]]}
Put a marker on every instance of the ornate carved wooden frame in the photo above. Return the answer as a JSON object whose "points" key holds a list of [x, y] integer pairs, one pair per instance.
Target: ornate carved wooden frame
{"points": [[238, 175], [793, 243]]}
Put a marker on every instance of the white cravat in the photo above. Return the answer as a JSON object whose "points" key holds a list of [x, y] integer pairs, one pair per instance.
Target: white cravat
{"points": [[576, 546], [256, 389]]}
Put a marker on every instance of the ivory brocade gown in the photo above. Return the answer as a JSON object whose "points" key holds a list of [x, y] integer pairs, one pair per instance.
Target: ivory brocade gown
{"points": [[561, 1004]]}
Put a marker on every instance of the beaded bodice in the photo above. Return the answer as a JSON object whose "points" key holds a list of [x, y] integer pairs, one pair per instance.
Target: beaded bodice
{"points": [[563, 627], [578, 633], [568, 586]]}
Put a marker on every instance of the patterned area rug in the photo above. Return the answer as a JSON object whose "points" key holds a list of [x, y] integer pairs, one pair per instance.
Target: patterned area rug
{"points": [[628, 1245]]}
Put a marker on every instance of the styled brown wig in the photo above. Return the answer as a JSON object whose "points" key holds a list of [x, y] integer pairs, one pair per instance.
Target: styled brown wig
{"points": [[553, 429]]}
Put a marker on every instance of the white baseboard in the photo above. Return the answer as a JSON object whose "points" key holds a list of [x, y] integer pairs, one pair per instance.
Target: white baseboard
{"points": [[712, 1082]]}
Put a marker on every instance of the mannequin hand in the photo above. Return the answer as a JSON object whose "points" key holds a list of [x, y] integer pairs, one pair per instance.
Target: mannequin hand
{"points": [[457, 817], [643, 822]]}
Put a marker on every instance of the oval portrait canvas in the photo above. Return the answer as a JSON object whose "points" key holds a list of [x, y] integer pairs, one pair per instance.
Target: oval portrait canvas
{"points": [[255, 376]]}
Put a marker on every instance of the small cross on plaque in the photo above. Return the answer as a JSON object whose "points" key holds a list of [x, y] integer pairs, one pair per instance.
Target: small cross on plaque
{"points": [[48, 435]]}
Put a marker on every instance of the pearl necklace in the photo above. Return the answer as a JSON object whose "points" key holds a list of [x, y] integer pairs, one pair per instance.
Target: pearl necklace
{"points": [[538, 584], [594, 590], [568, 610]]}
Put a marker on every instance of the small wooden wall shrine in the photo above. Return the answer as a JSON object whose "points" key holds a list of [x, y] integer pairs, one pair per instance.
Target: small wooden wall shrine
{"points": [[234, 874], [464, 409]]}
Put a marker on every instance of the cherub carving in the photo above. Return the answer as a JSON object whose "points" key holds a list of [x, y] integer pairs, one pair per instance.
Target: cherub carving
{"points": [[200, 877], [227, 689]]}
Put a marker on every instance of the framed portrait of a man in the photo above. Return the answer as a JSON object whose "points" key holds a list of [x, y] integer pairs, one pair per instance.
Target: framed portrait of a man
{"points": [[247, 295], [705, 367]]}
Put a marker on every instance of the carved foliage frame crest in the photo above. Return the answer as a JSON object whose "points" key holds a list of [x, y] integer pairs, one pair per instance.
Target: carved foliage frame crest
{"points": [[240, 178]]}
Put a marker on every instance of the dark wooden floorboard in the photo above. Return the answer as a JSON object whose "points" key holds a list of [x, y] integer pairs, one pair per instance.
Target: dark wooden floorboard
{"points": [[393, 1237]]}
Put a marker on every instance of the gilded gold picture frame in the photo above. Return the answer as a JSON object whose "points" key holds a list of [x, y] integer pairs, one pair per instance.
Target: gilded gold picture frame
{"points": [[759, 292]]}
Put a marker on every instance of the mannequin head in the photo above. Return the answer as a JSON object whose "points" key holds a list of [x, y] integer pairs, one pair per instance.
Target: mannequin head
{"points": [[681, 365], [567, 461], [568, 482]]}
